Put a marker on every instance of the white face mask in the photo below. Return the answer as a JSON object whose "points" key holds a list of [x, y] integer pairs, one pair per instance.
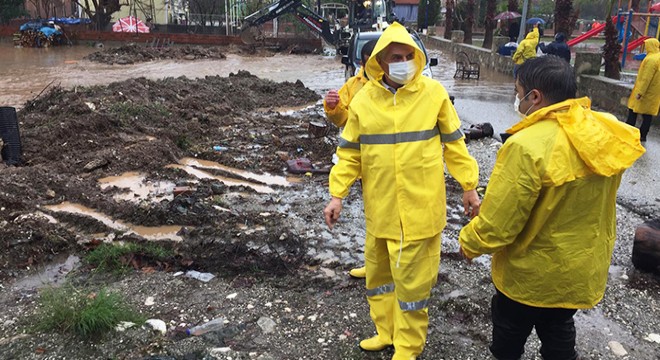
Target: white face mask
{"points": [[402, 72], [516, 105]]}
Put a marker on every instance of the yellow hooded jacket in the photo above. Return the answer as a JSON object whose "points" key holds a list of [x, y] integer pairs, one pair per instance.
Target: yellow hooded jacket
{"points": [[339, 115], [548, 216], [394, 142], [527, 47], [648, 82]]}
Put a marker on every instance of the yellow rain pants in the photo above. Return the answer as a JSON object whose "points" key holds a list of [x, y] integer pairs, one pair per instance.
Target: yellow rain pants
{"points": [[400, 275]]}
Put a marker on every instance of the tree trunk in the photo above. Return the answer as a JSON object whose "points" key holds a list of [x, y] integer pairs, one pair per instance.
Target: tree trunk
{"points": [[449, 18], [611, 50], [563, 15], [469, 21], [489, 23], [513, 6]]}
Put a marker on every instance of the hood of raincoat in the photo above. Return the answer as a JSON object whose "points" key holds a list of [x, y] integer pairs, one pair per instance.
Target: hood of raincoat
{"points": [[652, 46], [606, 145], [394, 33], [560, 37], [532, 35]]}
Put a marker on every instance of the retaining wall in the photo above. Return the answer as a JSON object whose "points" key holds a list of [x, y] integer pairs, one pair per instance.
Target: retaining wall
{"points": [[606, 94], [485, 57]]}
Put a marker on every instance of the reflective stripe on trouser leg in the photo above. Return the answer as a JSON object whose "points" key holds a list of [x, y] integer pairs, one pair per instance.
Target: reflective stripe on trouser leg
{"points": [[416, 275], [380, 287]]}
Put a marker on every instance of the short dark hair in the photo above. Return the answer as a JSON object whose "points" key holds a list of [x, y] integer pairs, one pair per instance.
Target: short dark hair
{"points": [[367, 49], [551, 75]]}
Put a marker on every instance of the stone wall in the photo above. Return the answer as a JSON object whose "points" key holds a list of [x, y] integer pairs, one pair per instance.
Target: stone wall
{"points": [[485, 57], [606, 94]]}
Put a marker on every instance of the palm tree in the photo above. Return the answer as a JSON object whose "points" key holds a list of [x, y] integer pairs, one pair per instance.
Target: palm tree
{"points": [[449, 18], [563, 16], [612, 49], [489, 23], [469, 21]]}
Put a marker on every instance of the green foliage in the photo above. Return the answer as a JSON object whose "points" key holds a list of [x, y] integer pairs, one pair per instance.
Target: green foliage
{"points": [[11, 9], [116, 259], [82, 312], [431, 15]]}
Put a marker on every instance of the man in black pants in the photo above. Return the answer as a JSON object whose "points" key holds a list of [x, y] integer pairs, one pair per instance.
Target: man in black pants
{"points": [[549, 213]]}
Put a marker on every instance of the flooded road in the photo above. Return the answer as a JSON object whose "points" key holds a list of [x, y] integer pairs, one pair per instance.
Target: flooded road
{"points": [[25, 72]]}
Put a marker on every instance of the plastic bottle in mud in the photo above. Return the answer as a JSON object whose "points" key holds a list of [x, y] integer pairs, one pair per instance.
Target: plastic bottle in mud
{"points": [[215, 324]]}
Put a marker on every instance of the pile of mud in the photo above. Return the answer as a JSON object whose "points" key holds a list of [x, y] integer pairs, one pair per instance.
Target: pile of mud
{"points": [[72, 138], [129, 54], [132, 53]]}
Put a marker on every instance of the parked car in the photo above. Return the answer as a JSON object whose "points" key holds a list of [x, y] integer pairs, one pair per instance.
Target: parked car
{"points": [[352, 59]]}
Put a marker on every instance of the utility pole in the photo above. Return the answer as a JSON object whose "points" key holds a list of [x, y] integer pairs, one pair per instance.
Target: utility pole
{"points": [[523, 20]]}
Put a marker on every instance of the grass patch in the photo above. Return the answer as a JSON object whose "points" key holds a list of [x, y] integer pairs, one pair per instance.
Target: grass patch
{"points": [[83, 313], [120, 259]]}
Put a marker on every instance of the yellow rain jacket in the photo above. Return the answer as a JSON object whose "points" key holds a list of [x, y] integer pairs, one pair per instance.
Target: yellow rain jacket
{"points": [[648, 82], [394, 142], [527, 47], [339, 115], [548, 216]]}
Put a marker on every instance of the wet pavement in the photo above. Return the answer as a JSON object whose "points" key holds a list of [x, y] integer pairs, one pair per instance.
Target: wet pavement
{"points": [[25, 72]]}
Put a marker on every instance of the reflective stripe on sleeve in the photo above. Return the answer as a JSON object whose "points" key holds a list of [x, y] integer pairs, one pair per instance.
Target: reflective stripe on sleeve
{"points": [[451, 137], [343, 143], [384, 289], [414, 305]]}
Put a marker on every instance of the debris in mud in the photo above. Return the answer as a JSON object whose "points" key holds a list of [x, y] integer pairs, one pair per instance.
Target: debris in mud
{"points": [[144, 125], [129, 54]]}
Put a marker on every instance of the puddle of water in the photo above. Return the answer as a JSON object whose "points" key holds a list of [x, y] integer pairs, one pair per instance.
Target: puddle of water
{"points": [[267, 179], [138, 189], [147, 232], [51, 275]]}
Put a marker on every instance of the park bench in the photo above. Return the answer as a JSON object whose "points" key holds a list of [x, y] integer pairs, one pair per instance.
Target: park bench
{"points": [[466, 69]]}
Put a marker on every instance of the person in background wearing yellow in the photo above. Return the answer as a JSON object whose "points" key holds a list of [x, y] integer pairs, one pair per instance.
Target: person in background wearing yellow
{"points": [[526, 49], [336, 103], [549, 212], [399, 125], [645, 96]]}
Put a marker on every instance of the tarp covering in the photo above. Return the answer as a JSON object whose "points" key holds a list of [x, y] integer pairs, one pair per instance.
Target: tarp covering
{"points": [[130, 24], [70, 21]]}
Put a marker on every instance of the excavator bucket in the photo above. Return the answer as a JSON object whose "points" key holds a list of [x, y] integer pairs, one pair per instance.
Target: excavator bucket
{"points": [[251, 34]]}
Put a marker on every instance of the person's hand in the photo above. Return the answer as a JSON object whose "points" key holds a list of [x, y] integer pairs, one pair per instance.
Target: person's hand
{"points": [[471, 203], [332, 211], [465, 257], [332, 99], [536, 25]]}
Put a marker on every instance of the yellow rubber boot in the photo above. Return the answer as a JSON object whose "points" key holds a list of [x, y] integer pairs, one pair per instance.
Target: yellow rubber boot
{"points": [[382, 314], [358, 273], [374, 343], [398, 356]]}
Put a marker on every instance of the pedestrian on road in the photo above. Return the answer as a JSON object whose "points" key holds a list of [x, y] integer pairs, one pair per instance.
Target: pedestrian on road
{"points": [[336, 103], [645, 96], [549, 212], [526, 49], [397, 127], [558, 47]]}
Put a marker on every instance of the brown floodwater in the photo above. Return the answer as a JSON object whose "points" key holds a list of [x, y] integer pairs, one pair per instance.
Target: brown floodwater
{"points": [[24, 72]]}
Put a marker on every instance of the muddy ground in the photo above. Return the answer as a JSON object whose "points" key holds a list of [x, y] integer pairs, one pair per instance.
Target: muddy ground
{"points": [[275, 262]]}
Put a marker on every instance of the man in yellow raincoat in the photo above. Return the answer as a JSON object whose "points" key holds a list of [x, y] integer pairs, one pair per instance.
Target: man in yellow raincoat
{"points": [[549, 212], [336, 103], [526, 49], [335, 106], [645, 96], [397, 127]]}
